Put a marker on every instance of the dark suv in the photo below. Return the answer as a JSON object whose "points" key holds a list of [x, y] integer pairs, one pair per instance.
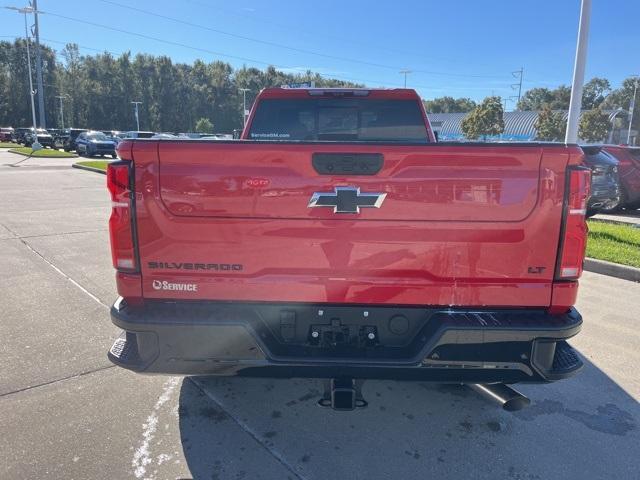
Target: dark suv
{"points": [[19, 133], [40, 135], [95, 143], [629, 158], [605, 182], [70, 136]]}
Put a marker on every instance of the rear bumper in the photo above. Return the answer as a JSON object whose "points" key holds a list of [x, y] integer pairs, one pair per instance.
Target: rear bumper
{"points": [[45, 142], [604, 197], [274, 340]]}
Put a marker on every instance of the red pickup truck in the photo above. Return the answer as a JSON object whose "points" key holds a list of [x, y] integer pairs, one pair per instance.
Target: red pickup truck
{"points": [[339, 240]]}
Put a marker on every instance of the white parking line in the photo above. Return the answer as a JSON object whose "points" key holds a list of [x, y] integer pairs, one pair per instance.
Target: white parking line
{"points": [[142, 456]]}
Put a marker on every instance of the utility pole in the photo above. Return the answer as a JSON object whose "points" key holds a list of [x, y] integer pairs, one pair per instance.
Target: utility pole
{"points": [[405, 73], [519, 76], [575, 104], [61, 98], [245, 114], [136, 113], [34, 8], [632, 106], [25, 11]]}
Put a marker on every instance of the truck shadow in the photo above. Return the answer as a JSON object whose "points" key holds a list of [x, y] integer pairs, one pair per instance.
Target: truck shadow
{"points": [[266, 428]]}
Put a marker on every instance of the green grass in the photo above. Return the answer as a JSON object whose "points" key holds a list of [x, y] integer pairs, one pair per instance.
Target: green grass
{"points": [[100, 164], [45, 152], [614, 243], [7, 145]]}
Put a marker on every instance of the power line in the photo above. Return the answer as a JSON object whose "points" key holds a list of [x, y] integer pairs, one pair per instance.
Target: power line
{"points": [[288, 27], [220, 54], [287, 47], [364, 81], [82, 47], [282, 67]]}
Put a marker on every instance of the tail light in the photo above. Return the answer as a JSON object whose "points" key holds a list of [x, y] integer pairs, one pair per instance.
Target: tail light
{"points": [[574, 233], [121, 231]]}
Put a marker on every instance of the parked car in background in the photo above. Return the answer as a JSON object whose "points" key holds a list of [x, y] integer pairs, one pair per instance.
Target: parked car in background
{"points": [[6, 134], [95, 143], [133, 134], [59, 138], [115, 135], [605, 182], [217, 136], [629, 170], [166, 136], [70, 136], [19, 133], [40, 135]]}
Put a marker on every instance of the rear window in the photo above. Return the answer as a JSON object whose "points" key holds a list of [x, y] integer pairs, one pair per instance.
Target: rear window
{"points": [[328, 119]]}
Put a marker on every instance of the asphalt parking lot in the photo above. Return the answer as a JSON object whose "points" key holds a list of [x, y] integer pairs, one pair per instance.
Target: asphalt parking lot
{"points": [[66, 412]]}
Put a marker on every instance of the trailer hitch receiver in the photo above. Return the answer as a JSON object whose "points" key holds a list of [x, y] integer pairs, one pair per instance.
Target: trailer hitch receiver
{"points": [[343, 394]]}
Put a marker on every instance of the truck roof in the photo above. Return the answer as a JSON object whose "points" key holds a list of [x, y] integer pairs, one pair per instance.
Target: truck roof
{"points": [[377, 93]]}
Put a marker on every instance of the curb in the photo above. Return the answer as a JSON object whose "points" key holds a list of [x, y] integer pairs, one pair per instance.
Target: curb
{"points": [[31, 156], [88, 169], [612, 269], [630, 223]]}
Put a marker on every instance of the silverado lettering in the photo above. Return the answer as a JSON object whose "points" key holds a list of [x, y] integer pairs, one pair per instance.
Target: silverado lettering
{"points": [[195, 266], [367, 248]]}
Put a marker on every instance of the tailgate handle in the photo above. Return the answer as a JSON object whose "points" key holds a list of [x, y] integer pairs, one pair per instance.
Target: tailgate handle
{"points": [[347, 163]]}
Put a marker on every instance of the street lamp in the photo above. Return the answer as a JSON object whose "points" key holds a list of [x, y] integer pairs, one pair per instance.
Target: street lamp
{"points": [[575, 103], [632, 106], [136, 114], [612, 119], [25, 11], [61, 98], [244, 105]]}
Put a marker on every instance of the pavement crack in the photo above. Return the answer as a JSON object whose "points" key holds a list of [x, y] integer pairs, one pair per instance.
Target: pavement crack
{"points": [[57, 380], [249, 431], [52, 265], [62, 233]]}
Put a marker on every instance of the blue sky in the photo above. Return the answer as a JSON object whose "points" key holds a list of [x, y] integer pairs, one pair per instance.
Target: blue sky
{"points": [[454, 47]]}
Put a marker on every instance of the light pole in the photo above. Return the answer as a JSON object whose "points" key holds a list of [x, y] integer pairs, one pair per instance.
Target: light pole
{"points": [[405, 73], [34, 9], [575, 104], [25, 11], [61, 98], [632, 106], [244, 105], [136, 114]]}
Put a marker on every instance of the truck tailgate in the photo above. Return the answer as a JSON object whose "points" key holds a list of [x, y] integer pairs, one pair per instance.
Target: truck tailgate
{"points": [[460, 224]]}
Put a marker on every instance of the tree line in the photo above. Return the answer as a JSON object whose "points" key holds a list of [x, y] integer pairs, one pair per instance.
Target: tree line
{"points": [[486, 119], [98, 90]]}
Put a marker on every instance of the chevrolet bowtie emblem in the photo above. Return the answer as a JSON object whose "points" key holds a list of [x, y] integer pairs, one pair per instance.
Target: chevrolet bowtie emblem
{"points": [[346, 200]]}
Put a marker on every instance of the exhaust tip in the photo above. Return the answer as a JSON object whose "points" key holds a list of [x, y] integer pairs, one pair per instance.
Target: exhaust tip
{"points": [[509, 399], [517, 403]]}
